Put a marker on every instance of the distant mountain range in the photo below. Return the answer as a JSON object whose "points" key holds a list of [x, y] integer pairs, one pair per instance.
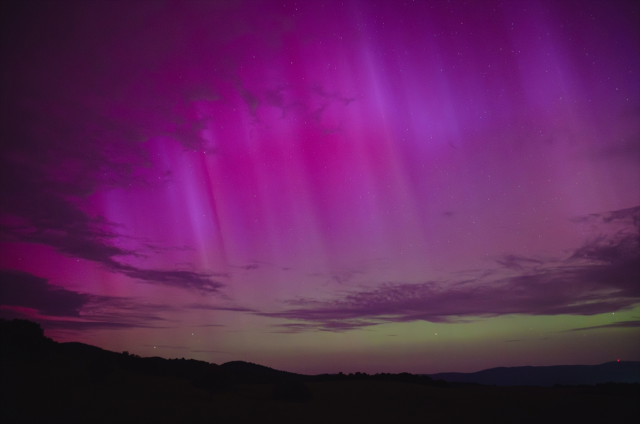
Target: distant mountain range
{"points": [[617, 372], [571, 375], [24, 340]]}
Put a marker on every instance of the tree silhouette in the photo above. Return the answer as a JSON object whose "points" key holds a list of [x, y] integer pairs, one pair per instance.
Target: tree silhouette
{"points": [[23, 338]]}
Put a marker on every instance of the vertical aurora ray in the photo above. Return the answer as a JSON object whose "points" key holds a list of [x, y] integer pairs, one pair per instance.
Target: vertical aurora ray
{"points": [[296, 183]]}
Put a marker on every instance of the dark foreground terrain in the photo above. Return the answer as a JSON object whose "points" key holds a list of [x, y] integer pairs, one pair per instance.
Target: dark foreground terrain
{"points": [[574, 375], [42, 381]]}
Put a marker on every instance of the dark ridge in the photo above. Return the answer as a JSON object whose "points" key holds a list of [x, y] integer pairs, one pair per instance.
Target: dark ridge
{"points": [[572, 375], [45, 381], [25, 340], [85, 351], [247, 372], [242, 366]]}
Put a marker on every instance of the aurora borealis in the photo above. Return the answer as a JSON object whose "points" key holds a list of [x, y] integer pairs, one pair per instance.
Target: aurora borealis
{"points": [[324, 186]]}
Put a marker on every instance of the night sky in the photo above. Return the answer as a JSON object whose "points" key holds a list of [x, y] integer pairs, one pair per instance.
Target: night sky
{"points": [[324, 186]]}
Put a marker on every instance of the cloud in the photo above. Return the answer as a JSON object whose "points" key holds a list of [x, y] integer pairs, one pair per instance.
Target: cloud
{"points": [[85, 325], [600, 276], [40, 201], [26, 290], [331, 324], [69, 129], [344, 276], [517, 262], [219, 308], [619, 324], [28, 296], [39, 206], [178, 278]]}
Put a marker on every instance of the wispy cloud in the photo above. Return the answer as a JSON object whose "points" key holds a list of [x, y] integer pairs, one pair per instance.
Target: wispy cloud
{"points": [[43, 210], [27, 290], [58, 147], [619, 324], [600, 276], [25, 295], [86, 325], [71, 131], [178, 278], [219, 308]]}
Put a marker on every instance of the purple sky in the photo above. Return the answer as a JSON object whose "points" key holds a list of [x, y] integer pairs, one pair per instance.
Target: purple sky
{"points": [[376, 186]]}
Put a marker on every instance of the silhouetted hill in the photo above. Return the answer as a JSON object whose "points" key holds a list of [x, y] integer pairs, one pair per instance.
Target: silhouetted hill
{"points": [[253, 373], [42, 381], [85, 351], [242, 366], [24, 339], [617, 372]]}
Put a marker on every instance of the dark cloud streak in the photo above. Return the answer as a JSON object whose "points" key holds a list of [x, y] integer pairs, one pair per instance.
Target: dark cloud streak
{"points": [[620, 324], [220, 308], [59, 308], [27, 290]]}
